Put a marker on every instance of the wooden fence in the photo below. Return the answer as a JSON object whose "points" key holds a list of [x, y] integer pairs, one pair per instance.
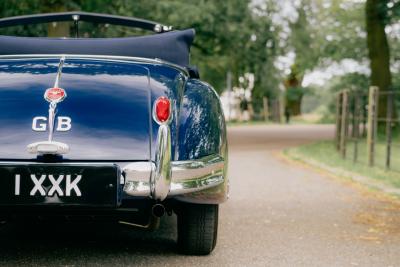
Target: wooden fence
{"points": [[357, 121]]}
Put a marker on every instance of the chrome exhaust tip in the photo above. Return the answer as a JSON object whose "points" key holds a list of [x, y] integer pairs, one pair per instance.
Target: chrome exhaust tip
{"points": [[158, 210]]}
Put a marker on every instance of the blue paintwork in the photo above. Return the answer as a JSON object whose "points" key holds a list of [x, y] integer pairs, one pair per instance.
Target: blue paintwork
{"points": [[201, 122], [107, 102]]}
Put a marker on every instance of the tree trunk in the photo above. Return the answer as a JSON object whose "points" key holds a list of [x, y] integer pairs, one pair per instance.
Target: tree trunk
{"points": [[56, 29], [294, 106], [378, 49]]}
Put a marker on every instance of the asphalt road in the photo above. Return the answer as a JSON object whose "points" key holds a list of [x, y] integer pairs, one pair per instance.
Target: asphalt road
{"points": [[279, 214]]}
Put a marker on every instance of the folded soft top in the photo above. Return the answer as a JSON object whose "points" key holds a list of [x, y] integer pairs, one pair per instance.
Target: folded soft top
{"points": [[171, 46]]}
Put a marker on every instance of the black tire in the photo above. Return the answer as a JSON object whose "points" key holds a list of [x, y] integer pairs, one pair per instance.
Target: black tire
{"points": [[197, 228]]}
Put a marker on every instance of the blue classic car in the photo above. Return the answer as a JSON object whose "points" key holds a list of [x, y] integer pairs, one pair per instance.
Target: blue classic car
{"points": [[110, 128]]}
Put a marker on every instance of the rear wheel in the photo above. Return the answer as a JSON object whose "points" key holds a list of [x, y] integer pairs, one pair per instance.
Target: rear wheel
{"points": [[197, 228]]}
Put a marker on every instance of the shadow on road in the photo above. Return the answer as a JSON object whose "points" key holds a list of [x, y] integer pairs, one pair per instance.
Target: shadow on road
{"points": [[65, 244]]}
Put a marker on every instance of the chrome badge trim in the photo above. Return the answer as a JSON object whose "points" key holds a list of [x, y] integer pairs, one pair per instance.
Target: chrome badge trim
{"points": [[53, 103], [54, 96]]}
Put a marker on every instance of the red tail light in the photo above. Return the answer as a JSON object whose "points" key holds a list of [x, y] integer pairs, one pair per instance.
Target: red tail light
{"points": [[162, 109]]}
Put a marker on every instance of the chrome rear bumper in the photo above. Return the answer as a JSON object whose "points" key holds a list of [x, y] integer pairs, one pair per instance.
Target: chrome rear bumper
{"points": [[186, 177]]}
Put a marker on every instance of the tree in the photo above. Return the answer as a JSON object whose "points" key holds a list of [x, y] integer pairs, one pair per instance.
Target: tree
{"points": [[301, 40], [224, 28], [378, 49], [294, 91]]}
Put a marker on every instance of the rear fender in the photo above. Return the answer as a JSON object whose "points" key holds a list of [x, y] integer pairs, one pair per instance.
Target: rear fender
{"points": [[202, 132]]}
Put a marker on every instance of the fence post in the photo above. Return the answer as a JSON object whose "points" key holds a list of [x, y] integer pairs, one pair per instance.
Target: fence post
{"points": [[280, 108], [364, 118], [338, 119], [356, 126], [265, 106], [389, 114], [276, 111], [343, 126], [372, 123]]}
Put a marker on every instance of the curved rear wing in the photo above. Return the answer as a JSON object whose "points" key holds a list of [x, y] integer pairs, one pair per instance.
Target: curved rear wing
{"points": [[77, 16]]}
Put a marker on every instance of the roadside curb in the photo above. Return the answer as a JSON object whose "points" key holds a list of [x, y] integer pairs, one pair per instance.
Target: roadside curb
{"points": [[368, 183]]}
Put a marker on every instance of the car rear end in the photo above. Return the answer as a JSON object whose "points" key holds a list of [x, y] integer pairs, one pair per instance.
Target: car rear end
{"points": [[96, 137]]}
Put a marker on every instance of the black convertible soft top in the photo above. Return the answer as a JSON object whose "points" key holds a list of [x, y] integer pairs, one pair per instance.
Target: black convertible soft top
{"points": [[171, 46]]}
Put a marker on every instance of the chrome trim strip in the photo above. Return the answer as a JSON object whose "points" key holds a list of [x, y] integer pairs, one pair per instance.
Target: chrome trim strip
{"points": [[196, 168], [100, 57], [197, 184], [160, 181], [60, 66], [53, 105]]}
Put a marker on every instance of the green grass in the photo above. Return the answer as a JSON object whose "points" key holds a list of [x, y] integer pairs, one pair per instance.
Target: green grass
{"points": [[324, 152]]}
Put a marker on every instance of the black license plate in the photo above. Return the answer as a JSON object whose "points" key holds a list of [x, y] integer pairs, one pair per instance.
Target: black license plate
{"points": [[59, 184]]}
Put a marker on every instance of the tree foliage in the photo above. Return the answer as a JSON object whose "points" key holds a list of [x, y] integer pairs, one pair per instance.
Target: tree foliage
{"points": [[225, 30]]}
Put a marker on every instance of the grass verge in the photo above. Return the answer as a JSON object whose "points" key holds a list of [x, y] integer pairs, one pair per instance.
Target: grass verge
{"points": [[323, 155]]}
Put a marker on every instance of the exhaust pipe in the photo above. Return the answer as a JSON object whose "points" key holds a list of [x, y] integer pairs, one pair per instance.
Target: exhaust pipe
{"points": [[158, 210]]}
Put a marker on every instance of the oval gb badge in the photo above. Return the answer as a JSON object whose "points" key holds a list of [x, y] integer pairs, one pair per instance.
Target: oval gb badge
{"points": [[55, 95]]}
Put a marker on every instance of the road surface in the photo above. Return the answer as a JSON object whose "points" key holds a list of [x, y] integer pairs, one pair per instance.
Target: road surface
{"points": [[279, 214]]}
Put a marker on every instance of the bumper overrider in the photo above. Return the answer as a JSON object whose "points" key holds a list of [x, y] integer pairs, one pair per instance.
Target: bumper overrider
{"points": [[165, 178]]}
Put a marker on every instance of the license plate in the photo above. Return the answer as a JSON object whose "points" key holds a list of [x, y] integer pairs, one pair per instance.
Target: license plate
{"points": [[59, 184]]}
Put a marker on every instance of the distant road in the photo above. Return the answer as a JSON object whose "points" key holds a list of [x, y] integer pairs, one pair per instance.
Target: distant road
{"points": [[273, 137], [279, 214]]}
